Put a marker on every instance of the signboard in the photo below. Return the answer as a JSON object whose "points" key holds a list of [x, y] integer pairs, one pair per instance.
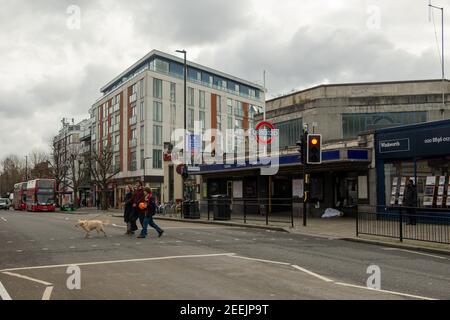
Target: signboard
{"points": [[430, 140], [194, 144], [237, 189], [297, 188], [396, 145], [362, 188]]}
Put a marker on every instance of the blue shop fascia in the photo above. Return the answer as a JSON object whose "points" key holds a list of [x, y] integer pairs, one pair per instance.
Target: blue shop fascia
{"points": [[418, 152]]}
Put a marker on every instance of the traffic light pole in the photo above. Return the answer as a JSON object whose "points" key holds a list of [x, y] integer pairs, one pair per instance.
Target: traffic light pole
{"points": [[305, 176]]}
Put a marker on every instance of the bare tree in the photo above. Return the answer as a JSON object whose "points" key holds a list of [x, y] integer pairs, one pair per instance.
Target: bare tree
{"points": [[58, 167], [12, 172], [102, 170], [40, 167], [76, 170]]}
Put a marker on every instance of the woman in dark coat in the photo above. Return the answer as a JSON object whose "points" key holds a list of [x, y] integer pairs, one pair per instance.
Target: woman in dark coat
{"points": [[128, 209], [138, 197]]}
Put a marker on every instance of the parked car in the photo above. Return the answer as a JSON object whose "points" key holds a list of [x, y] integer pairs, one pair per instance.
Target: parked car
{"points": [[4, 204]]}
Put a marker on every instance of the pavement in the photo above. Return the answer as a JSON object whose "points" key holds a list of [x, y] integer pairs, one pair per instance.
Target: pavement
{"points": [[202, 261], [343, 228]]}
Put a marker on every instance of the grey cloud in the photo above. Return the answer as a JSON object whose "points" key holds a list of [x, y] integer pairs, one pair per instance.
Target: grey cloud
{"points": [[195, 22]]}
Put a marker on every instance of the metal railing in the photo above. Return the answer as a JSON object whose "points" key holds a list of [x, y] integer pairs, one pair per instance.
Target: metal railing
{"points": [[406, 223], [276, 210]]}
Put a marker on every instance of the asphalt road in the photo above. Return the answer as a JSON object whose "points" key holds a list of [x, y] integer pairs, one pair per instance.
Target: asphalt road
{"points": [[195, 261]]}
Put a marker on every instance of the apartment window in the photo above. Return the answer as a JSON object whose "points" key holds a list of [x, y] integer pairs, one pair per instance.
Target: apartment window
{"points": [[157, 88], [133, 110], [134, 88], [142, 159], [190, 96], [118, 99], [142, 135], [173, 114], [157, 135], [236, 87], [239, 124], [229, 122], [157, 111], [219, 104], [230, 107], [133, 134], [117, 121], [202, 100], [142, 111], [141, 84], [117, 162], [173, 92], [157, 159], [191, 118], [160, 65], [219, 122], [133, 161], [117, 140], [201, 117], [239, 110]]}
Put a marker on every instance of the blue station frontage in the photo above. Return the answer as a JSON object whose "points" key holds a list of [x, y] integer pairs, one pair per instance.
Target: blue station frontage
{"points": [[418, 152], [334, 183]]}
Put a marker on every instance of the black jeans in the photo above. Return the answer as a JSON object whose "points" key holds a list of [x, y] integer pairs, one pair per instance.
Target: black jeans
{"points": [[411, 212]]}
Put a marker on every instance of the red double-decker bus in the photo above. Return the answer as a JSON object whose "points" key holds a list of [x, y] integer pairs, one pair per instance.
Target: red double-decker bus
{"points": [[20, 196], [41, 195]]}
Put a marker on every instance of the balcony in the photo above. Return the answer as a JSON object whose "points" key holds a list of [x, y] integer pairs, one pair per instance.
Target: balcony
{"points": [[133, 98], [133, 143], [133, 120]]}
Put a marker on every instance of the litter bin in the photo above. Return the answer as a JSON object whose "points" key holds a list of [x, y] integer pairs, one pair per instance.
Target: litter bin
{"points": [[221, 207], [194, 210], [186, 208]]}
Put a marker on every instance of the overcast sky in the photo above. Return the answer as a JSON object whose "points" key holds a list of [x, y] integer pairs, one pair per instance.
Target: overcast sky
{"points": [[53, 64]]}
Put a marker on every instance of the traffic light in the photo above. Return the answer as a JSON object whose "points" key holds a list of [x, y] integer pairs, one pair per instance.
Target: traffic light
{"points": [[314, 152]]}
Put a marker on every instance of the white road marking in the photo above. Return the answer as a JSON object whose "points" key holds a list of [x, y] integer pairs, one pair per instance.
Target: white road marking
{"points": [[122, 261], [94, 246], [312, 273], [19, 251], [385, 291], [52, 239], [72, 247], [138, 243], [236, 239], [32, 240], [261, 260], [44, 249], [4, 219], [3, 293], [9, 242], [117, 244], [415, 252], [47, 293], [27, 278], [178, 241]]}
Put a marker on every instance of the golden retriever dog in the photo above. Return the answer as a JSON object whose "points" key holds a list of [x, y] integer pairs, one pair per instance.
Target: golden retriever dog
{"points": [[89, 225]]}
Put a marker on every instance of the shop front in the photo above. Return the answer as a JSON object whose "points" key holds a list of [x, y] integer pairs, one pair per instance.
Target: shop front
{"points": [[341, 181], [420, 153]]}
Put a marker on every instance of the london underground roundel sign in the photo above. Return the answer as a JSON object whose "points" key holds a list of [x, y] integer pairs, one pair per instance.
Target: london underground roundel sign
{"points": [[265, 132]]}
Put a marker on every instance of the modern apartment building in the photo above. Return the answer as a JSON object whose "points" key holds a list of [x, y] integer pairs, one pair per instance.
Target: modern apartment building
{"points": [[142, 106]]}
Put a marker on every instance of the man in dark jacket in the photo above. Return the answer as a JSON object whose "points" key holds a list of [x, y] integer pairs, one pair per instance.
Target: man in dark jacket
{"points": [[148, 215], [128, 210], [410, 201], [137, 198]]}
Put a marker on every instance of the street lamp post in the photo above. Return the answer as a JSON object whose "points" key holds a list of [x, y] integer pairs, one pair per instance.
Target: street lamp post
{"points": [[185, 112], [442, 58]]}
